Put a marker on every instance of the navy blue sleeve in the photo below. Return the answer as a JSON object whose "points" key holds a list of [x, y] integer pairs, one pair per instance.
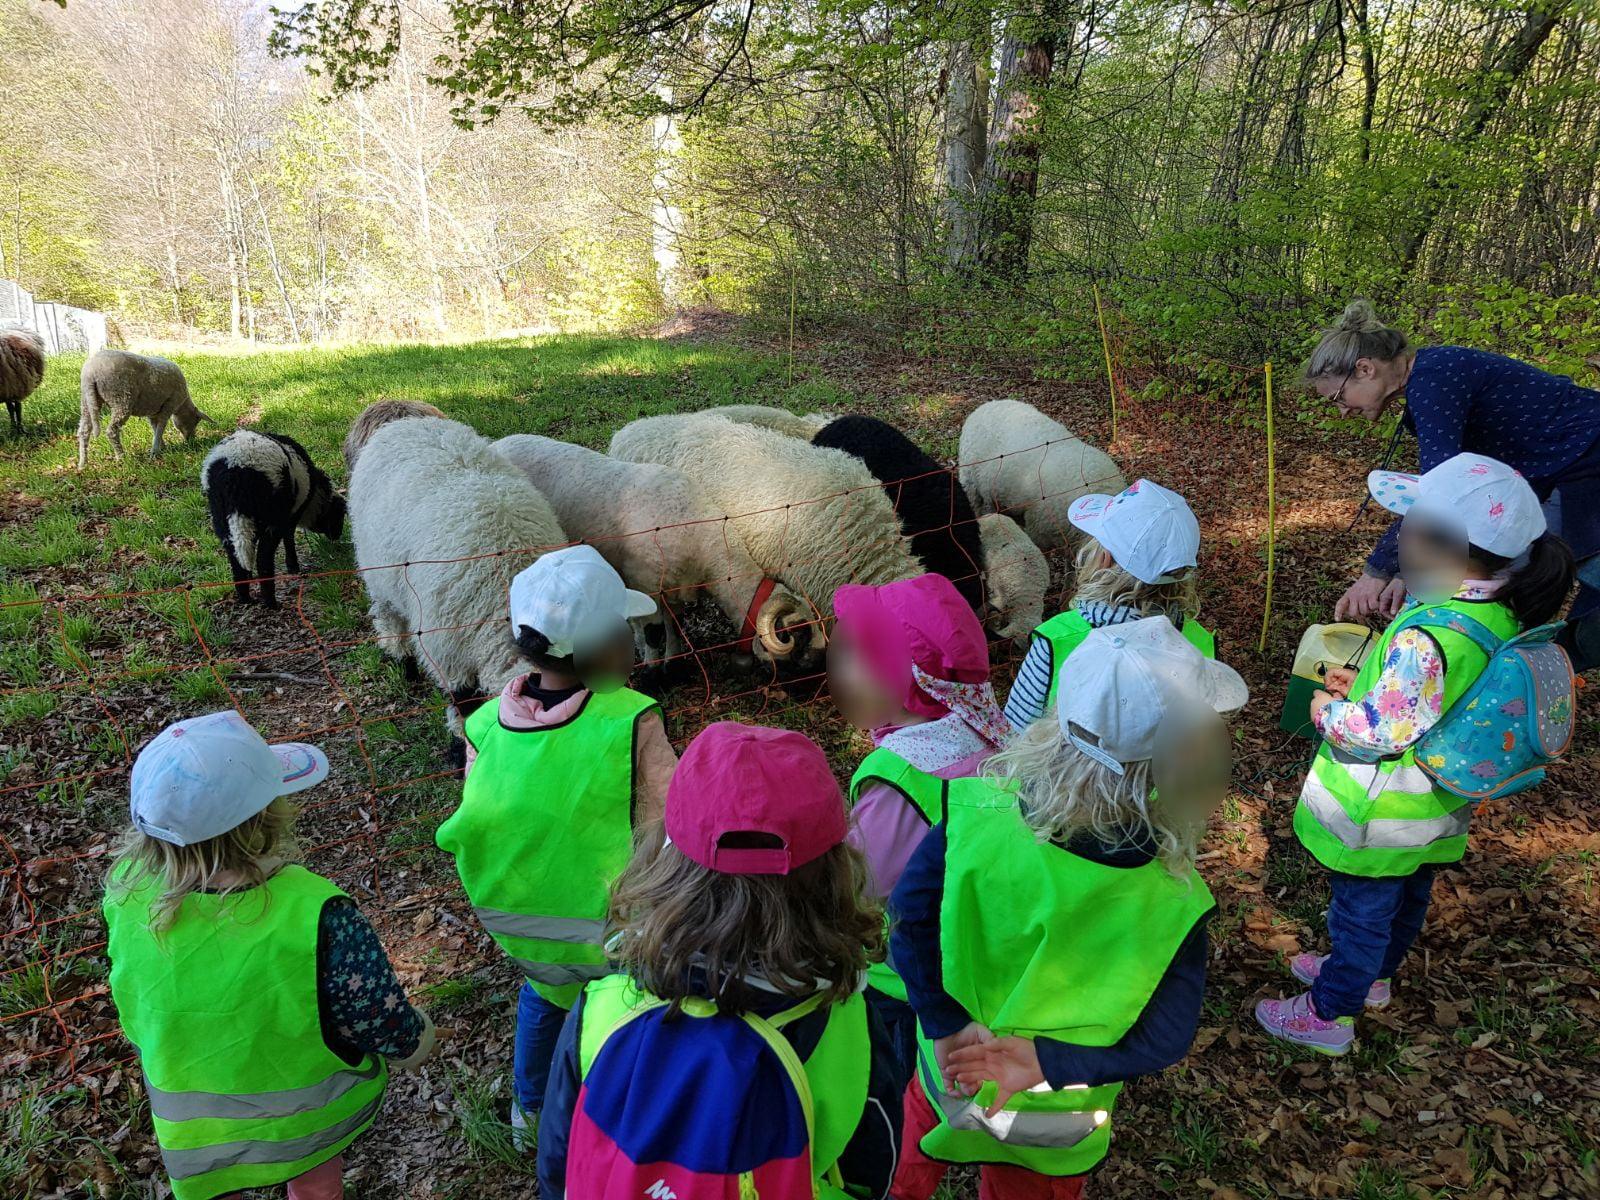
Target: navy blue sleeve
{"points": [[361, 1005], [1160, 1037], [868, 1162], [914, 940], [1384, 561], [560, 1099]]}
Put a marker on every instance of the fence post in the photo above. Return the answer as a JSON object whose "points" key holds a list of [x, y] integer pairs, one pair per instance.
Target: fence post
{"points": [[790, 382], [1105, 342], [1272, 512]]}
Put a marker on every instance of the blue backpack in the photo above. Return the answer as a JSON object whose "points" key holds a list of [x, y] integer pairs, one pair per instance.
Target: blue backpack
{"points": [[1513, 722]]}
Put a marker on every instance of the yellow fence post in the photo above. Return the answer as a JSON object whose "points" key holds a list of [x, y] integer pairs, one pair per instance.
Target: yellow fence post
{"points": [[790, 382], [1105, 342], [1272, 513]]}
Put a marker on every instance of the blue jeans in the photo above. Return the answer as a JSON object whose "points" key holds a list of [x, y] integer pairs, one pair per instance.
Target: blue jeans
{"points": [[538, 1026], [1371, 923]]}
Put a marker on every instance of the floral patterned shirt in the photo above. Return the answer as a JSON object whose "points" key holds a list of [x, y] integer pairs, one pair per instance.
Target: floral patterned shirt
{"points": [[1404, 702]]}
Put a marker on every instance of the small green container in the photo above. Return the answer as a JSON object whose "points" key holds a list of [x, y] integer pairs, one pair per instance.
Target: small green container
{"points": [[1321, 648]]}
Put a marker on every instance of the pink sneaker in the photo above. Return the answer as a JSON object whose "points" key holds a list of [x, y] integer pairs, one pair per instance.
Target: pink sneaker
{"points": [[1307, 967], [1294, 1020]]}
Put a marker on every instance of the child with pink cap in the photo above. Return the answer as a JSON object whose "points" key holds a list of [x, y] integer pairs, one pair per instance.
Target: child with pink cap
{"points": [[908, 663]]}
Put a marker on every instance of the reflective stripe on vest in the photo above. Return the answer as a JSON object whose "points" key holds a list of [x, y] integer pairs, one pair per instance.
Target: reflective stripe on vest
{"points": [[1065, 631], [1038, 941], [1388, 818], [544, 827], [222, 1006]]}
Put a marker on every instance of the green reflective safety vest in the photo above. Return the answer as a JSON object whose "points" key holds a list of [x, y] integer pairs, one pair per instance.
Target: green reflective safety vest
{"points": [[1039, 941], [544, 828], [926, 794], [222, 1008], [831, 1083], [1388, 817], [1065, 631]]}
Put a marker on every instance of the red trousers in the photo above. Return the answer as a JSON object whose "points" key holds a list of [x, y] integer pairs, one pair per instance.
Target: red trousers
{"points": [[320, 1183], [918, 1176]]}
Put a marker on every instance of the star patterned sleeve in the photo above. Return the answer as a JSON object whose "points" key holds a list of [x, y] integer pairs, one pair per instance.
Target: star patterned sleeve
{"points": [[364, 1008]]}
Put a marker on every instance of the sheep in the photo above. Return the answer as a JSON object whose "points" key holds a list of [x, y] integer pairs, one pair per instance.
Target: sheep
{"points": [[1016, 577], [812, 517], [260, 487], [779, 420], [1017, 461], [376, 414], [133, 385], [664, 535], [933, 509], [441, 524], [21, 369]]}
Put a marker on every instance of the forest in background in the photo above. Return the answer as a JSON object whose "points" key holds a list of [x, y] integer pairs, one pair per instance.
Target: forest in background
{"points": [[960, 173]]}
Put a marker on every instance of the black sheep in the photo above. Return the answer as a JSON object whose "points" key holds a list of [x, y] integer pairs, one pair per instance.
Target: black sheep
{"points": [[933, 508], [260, 487]]}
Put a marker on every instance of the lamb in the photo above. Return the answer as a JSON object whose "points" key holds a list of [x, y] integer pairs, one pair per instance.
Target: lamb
{"points": [[812, 517], [133, 385], [260, 487], [376, 414], [1016, 577], [779, 420], [933, 509], [664, 535], [21, 369], [1017, 461], [441, 524]]}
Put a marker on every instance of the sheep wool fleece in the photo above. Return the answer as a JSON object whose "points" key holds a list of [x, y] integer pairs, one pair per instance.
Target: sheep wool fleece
{"points": [[222, 1006], [544, 827], [1018, 921]]}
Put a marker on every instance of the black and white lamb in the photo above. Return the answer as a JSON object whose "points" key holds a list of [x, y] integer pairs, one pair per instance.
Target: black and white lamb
{"points": [[260, 488]]}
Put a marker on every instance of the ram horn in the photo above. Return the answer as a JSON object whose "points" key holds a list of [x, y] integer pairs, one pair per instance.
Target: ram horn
{"points": [[775, 638]]}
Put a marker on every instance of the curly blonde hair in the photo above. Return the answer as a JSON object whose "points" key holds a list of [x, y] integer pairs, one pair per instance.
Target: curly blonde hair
{"points": [[250, 852], [1114, 586], [1065, 793]]}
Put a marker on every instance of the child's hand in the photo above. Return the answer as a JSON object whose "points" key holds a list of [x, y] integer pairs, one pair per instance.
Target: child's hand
{"points": [[1319, 701], [1012, 1062], [974, 1034], [1338, 681]]}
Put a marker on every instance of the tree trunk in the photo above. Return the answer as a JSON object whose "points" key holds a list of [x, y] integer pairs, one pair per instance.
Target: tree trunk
{"points": [[273, 261], [1369, 78], [666, 218], [966, 119]]}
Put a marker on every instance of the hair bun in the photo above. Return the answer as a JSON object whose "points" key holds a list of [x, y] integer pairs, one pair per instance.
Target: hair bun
{"points": [[1359, 317]]}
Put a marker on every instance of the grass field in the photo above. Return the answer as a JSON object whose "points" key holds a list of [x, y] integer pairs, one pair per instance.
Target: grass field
{"points": [[1479, 1082]]}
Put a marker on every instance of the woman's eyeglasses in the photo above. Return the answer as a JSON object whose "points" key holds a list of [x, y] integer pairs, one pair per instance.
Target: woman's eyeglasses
{"points": [[1338, 396]]}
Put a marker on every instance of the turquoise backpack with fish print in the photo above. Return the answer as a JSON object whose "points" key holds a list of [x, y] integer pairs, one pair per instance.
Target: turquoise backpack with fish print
{"points": [[1512, 723]]}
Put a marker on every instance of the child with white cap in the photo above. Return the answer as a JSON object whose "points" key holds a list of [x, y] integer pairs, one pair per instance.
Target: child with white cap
{"points": [[1051, 927], [263, 1008], [1473, 543], [561, 768], [1139, 560]]}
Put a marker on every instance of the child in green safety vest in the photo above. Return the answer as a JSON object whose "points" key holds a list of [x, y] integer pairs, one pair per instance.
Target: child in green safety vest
{"points": [[1473, 542], [1051, 927], [262, 1006], [562, 767], [734, 1056], [908, 664], [1139, 561]]}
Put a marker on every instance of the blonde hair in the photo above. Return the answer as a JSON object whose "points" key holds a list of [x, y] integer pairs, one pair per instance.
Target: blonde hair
{"points": [[1359, 334], [1065, 793], [1114, 586], [249, 851]]}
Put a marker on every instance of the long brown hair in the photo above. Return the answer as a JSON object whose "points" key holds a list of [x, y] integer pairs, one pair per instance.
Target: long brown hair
{"points": [[683, 931]]}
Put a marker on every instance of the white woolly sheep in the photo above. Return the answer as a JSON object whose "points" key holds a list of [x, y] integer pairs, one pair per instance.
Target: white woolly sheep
{"points": [[21, 369], [260, 487], [1017, 461], [813, 518], [1016, 576], [375, 415], [779, 420], [664, 535], [133, 385], [441, 524]]}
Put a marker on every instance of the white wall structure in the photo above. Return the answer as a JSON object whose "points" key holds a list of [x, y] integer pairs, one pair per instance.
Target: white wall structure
{"points": [[62, 327]]}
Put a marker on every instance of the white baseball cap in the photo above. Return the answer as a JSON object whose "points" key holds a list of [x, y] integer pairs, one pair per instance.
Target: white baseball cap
{"points": [[1126, 680], [1472, 494], [201, 777], [1149, 530], [575, 599]]}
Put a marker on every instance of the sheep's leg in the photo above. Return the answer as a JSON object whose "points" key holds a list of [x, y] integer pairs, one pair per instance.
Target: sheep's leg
{"points": [[88, 427], [158, 428], [266, 558], [241, 574], [14, 408], [114, 434], [291, 560]]}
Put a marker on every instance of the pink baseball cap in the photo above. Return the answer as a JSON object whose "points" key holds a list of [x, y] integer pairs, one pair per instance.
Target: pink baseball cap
{"points": [[735, 779], [922, 621]]}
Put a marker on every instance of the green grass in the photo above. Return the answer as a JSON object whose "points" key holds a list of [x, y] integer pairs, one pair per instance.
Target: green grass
{"points": [[483, 1114]]}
